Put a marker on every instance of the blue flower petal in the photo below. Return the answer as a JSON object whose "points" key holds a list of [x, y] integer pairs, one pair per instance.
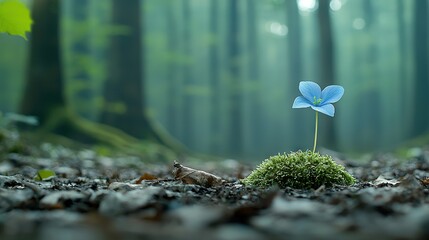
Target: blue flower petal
{"points": [[327, 109], [332, 94], [310, 90], [301, 102]]}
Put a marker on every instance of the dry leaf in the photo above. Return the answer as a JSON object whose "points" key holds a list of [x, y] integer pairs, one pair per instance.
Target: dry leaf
{"points": [[381, 181], [146, 176], [425, 181], [192, 176]]}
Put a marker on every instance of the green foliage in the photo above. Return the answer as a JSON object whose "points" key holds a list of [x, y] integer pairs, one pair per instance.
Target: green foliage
{"points": [[15, 18], [303, 170], [44, 174]]}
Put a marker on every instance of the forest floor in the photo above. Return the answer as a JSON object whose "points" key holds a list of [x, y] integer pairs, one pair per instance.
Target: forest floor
{"points": [[98, 197]]}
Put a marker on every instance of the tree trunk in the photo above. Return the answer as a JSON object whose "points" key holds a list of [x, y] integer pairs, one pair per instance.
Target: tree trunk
{"points": [[326, 68], [81, 51], [294, 59], [421, 75], [43, 93], [174, 96], [214, 79], [403, 69], [123, 90], [188, 79], [254, 77], [235, 99]]}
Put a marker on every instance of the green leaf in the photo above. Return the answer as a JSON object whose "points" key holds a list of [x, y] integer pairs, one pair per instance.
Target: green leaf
{"points": [[44, 174], [15, 18]]}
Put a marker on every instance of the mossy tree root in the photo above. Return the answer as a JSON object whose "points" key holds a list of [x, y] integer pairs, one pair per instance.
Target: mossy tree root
{"points": [[70, 125]]}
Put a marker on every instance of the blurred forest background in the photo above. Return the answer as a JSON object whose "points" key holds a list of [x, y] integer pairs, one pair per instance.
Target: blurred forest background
{"points": [[220, 76]]}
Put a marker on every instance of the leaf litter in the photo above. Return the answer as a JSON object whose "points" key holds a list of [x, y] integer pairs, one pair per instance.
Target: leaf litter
{"points": [[100, 198]]}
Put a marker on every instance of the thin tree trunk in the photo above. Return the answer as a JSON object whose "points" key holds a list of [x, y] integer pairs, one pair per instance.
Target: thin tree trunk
{"points": [[421, 75], [326, 66], [189, 99], [294, 59], [402, 63], [215, 85], [80, 13], [254, 77], [235, 99], [372, 119], [173, 107]]}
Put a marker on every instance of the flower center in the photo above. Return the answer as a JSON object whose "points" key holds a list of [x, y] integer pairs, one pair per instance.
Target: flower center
{"points": [[316, 101]]}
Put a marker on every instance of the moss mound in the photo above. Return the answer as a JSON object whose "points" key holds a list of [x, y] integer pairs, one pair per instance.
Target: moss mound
{"points": [[302, 170]]}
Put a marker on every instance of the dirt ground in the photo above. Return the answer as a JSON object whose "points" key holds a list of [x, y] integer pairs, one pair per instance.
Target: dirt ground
{"points": [[95, 197]]}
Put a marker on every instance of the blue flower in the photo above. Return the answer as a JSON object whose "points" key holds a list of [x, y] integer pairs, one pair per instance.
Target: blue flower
{"points": [[318, 100]]}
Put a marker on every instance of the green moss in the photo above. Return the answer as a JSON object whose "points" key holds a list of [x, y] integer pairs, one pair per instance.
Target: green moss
{"points": [[302, 170], [2, 136]]}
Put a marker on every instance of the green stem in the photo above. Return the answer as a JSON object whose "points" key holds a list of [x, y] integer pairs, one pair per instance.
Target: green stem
{"points": [[315, 132]]}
